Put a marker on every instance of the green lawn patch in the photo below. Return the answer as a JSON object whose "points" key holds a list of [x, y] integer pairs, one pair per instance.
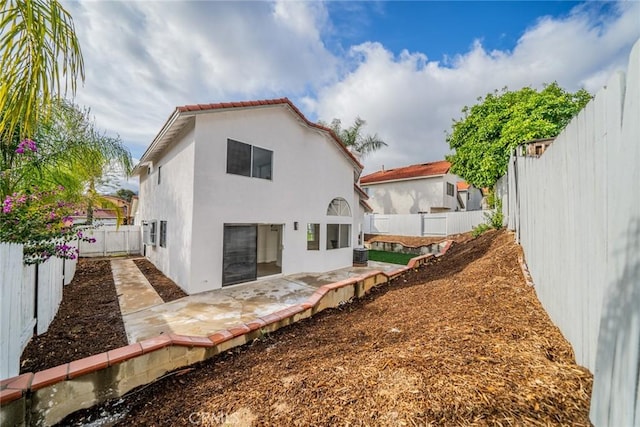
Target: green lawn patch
{"points": [[392, 257]]}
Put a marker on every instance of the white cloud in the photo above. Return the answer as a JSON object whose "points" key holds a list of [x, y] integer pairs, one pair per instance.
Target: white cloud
{"points": [[144, 58], [410, 101]]}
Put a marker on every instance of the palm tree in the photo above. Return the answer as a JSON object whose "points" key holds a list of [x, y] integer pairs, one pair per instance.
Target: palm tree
{"points": [[353, 138], [40, 59]]}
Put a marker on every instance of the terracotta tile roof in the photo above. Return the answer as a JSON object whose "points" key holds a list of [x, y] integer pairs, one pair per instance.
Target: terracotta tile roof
{"points": [[408, 172], [462, 186], [264, 102]]}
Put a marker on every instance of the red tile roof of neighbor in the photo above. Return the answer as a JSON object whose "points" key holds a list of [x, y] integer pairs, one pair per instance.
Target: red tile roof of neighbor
{"points": [[264, 102], [462, 186], [408, 172]]}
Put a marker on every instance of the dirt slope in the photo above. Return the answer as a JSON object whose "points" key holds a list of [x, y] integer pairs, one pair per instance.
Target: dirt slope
{"points": [[461, 341]]}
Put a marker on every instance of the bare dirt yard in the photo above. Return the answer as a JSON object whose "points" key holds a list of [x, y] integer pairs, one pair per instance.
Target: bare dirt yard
{"points": [[89, 320], [164, 286], [460, 341]]}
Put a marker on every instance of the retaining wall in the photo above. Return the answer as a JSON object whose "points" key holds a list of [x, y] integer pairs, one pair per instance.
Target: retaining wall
{"points": [[46, 397]]}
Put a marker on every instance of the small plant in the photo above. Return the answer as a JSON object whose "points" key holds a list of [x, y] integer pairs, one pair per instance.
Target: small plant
{"points": [[479, 229], [493, 219]]}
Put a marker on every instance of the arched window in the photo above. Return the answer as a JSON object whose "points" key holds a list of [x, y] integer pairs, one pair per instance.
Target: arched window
{"points": [[339, 207]]}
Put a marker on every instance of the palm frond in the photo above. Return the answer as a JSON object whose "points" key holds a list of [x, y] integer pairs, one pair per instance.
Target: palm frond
{"points": [[40, 59]]}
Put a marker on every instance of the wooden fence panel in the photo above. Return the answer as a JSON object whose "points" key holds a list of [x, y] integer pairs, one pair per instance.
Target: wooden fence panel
{"points": [[10, 285], [112, 240], [440, 224], [50, 283], [576, 213]]}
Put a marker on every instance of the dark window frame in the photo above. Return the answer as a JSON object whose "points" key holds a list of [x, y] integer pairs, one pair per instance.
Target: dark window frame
{"points": [[313, 244], [343, 239], [256, 167], [163, 234], [450, 189], [153, 230]]}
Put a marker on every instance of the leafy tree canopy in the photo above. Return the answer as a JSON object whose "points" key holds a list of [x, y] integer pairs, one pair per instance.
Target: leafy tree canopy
{"points": [[125, 194], [484, 137], [66, 150], [353, 138]]}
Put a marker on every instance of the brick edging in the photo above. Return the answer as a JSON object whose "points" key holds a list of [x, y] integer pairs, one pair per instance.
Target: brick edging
{"points": [[15, 388]]}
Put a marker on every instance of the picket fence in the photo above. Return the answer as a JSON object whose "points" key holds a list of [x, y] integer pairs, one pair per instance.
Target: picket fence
{"points": [[29, 299], [576, 213], [438, 224]]}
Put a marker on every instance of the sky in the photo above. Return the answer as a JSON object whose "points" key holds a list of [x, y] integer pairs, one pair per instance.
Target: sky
{"points": [[407, 68]]}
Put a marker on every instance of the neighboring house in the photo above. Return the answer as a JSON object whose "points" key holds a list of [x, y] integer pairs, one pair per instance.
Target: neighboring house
{"points": [[469, 197], [236, 191], [134, 210], [422, 188], [103, 215]]}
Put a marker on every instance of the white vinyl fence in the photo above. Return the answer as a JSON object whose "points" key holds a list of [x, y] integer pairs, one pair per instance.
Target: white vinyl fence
{"points": [[438, 224], [112, 240], [576, 213], [29, 299]]}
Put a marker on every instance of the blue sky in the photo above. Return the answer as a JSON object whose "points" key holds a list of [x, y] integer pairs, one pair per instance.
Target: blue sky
{"points": [[407, 68], [440, 28]]}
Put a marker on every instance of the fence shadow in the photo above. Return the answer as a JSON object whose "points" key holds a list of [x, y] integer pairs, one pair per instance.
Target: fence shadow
{"points": [[618, 357]]}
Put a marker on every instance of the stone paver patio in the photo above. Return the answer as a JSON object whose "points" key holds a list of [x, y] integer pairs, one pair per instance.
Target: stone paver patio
{"points": [[145, 315]]}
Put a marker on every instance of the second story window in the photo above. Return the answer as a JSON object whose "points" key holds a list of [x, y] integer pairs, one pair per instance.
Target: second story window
{"points": [[450, 189], [248, 160]]}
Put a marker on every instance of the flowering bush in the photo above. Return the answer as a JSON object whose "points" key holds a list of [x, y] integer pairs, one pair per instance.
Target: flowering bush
{"points": [[43, 223]]}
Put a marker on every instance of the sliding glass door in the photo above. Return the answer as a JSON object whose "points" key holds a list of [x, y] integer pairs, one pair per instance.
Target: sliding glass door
{"points": [[240, 259]]}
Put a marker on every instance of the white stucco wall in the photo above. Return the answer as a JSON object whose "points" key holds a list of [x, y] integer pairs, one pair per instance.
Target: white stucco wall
{"points": [[474, 201], [171, 201], [308, 172], [450, 202], [406, 197]]}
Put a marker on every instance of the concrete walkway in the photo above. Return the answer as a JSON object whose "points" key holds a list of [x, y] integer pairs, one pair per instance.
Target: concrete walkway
{"points": [[134, 290], [207, 312]]}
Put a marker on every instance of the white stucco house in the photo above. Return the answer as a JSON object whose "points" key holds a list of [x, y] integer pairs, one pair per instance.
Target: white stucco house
{"points": [[469, 197], [421, 188], [232, 192]]}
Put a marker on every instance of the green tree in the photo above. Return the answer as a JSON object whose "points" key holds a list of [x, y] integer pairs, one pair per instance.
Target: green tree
{"points": [[40, 59], [484, 137], [353, 138], [67, 150], [125, 194]]}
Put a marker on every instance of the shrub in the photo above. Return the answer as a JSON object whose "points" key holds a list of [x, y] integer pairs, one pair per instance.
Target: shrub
{"points": [[493, 220]]}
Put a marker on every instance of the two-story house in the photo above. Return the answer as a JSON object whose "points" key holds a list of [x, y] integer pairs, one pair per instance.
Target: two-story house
{"points": [[421, 188], [233, 192]]}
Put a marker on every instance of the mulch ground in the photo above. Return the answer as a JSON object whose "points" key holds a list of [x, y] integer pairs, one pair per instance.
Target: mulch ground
{"points": [[461, 341], [89, 319], [165, 287], [87, 323]]}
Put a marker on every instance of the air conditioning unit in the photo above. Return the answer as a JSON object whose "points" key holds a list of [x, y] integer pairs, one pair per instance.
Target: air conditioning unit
{"points": [[149, 232]]}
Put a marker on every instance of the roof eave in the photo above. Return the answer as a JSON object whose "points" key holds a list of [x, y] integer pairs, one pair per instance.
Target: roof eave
{"points": [[151, 149], [413, 178]]}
